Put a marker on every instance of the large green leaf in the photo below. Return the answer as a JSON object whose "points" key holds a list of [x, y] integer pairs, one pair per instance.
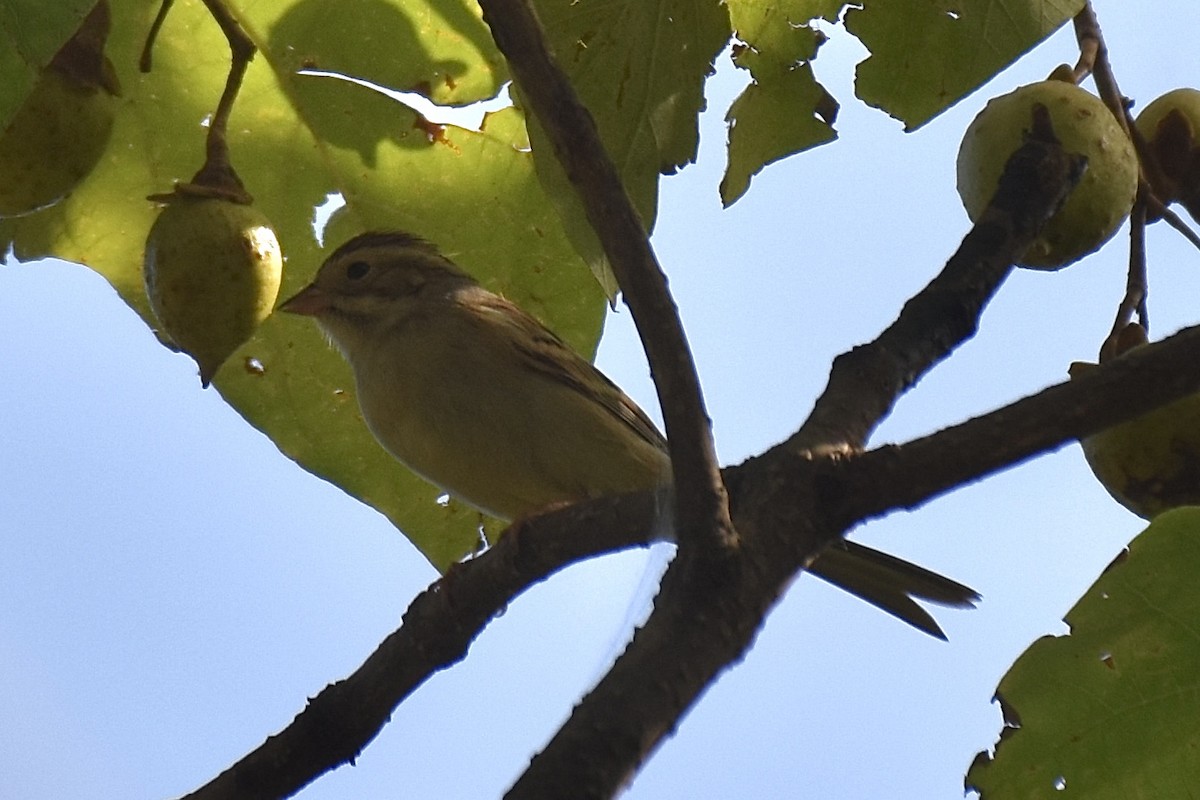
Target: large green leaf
{"points": [[1110, 710], [926, 55], [295, 139]]}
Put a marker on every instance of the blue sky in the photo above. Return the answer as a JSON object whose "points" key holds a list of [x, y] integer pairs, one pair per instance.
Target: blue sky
{"points": [[171, 589]]}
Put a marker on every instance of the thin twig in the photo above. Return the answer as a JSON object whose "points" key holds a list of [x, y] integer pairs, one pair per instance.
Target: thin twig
{"points": [[1089, 49], [1094, 54], [1176, 222], [1135, 281]]}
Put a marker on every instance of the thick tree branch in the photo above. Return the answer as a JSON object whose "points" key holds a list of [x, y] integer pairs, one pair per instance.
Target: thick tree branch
{"points": [[705, 618], [788, 503], [441, 622], [702, 512], [709, 610], [865, 382], [896, 477]]}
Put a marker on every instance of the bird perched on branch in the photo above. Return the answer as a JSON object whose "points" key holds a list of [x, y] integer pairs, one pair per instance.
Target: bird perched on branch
{"points": [[479, 398]]}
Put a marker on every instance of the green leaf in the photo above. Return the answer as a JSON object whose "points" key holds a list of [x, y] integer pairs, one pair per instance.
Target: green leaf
{"points": [[926, 55], [784, 110], [294, 140], [639, 66], [780, 32], [774, 118], [31, 32], [1110, 710], [439, 49]]}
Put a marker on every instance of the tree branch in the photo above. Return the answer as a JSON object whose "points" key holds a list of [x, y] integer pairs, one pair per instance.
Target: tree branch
{"points": [[702, 514], [441, 622], [866, 381], [436, 631], [710, 609], [788, 504], [896, 477]]}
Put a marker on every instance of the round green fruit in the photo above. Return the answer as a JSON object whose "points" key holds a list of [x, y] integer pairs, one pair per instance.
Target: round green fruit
{"points": [[53, 142], [212, 269], [1098, 204], [1171, 127], [1150, 463], [1185, 101]]}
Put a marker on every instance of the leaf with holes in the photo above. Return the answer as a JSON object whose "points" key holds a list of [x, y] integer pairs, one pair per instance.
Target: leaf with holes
{"points": [[1110, 710]]}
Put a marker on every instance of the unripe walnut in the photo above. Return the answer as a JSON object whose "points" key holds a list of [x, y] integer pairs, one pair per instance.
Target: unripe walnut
{"points": [[1150, 463], [1101, 201], [56, 137], [212, 269], [1171, 127]]}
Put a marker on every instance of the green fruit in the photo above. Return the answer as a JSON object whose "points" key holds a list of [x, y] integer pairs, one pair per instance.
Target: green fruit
{"points": [[1185, 101], [1150, 463], [1170, 125], [212, 269], [52, 143], [1098, 204], [59, 133]]}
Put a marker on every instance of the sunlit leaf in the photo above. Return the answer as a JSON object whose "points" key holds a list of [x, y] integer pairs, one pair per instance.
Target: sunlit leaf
{"points": [[784, 110], [927, 55], [296, 139]]}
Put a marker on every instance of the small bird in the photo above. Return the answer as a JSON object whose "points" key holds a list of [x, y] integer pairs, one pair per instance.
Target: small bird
{"points": [[482, 400]]}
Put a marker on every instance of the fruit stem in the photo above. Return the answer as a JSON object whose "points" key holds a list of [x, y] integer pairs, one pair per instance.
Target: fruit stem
{"points": [[217, 173], [216, 178], [1176, 222], [1135, 284], [145, 62], [1093, 60]]}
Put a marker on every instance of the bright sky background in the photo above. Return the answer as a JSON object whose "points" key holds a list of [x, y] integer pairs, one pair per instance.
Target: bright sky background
{"points": [[172, 589]]}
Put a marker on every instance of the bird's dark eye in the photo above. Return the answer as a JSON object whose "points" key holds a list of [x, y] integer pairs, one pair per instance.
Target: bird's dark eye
{"points": [[357, 270]]}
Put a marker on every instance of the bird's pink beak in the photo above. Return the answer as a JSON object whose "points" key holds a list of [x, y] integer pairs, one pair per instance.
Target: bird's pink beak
{"points": [[309, 301]]}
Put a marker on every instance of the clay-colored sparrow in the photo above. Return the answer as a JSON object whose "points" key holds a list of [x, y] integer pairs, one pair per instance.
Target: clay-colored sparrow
{"points": [[481, 399]]}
